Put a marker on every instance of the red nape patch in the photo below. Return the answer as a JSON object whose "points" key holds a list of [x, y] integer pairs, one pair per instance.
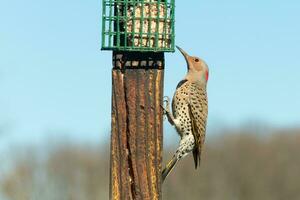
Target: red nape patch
{"points": [[206, 75]]}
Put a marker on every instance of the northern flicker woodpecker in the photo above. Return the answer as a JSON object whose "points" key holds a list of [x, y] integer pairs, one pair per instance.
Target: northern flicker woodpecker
{"points": [[189, 111]]}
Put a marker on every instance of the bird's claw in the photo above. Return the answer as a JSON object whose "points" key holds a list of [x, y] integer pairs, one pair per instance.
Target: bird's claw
{"points": [[167, 100], [166, 106], [164, 111]]}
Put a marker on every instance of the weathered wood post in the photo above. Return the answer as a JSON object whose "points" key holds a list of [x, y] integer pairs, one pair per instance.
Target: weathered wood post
{"points": [[138, 32], [136, 142]]}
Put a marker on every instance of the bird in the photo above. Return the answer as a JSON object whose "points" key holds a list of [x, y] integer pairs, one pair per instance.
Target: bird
{"points": [[189, 111]]}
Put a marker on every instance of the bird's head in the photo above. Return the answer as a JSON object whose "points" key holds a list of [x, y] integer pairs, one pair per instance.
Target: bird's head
{"points": [[197, 68]]}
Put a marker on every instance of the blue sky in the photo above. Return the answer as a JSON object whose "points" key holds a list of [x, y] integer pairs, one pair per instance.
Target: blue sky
{"points": [[55, 82]]}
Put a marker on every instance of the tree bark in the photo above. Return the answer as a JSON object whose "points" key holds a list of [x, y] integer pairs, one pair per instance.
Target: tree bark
{"points": [[136, 138]]}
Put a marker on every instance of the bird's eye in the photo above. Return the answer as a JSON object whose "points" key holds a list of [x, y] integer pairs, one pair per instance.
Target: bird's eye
{"points": [[196, 60]]}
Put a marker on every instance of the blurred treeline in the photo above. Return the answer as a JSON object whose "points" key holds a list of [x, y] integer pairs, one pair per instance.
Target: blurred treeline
{"points": [[238, 165]]}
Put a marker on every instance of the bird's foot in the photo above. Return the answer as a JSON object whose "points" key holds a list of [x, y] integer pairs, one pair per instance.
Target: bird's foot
{"points": [[166, 106]]}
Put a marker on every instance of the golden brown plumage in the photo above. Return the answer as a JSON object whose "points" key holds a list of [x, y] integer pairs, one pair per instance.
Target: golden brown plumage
{"points": [[198, 110], [189, 111]]}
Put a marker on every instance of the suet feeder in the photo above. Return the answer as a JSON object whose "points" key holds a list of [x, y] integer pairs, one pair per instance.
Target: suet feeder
{"points": [[138, 25], [139, 32]]}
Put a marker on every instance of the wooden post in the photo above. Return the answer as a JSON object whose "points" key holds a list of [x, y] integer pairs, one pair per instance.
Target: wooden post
{"points": [[136, 140]]}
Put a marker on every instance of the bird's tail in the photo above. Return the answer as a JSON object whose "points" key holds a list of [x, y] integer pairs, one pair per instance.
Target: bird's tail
{"points": [[171, 164]]}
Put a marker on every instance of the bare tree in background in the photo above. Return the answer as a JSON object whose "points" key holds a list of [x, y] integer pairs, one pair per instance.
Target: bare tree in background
{"points": [[236, 166]]}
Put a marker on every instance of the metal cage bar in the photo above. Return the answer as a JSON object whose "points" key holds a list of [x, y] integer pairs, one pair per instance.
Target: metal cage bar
{"points": [[138, 25]]}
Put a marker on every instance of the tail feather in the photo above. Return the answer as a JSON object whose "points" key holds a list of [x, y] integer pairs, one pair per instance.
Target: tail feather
{"points": [[197, 157], [171, 164]]}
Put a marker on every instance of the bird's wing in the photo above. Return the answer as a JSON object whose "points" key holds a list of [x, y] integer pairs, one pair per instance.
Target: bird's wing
{"points": [[198, 113]]}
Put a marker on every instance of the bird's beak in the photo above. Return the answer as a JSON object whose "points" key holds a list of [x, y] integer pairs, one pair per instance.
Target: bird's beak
{"points": [[186, 56]]}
